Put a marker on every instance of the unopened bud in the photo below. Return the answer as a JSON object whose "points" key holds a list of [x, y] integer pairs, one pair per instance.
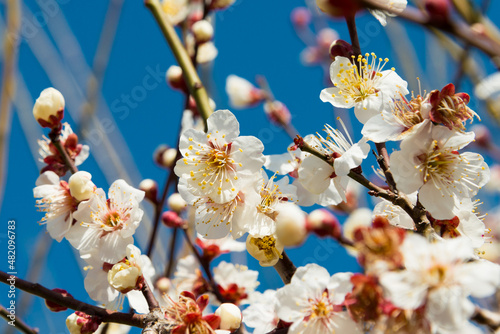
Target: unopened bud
{"points": [[49, 108], [277, 112], [438, 10], [80, 186], [163, 284], [341, 48], [81, 323], [221, 4], [175, 78], [168, 157], [339, 8], [483, 136], [54, 307], [267, 249], [172, 219], [176, 203], [202, 31], [123, 276], [300, 17], [323, 223], [150, 187], [291, 225], [192, 104], [242, 93], [326, 37], [230, 316]]}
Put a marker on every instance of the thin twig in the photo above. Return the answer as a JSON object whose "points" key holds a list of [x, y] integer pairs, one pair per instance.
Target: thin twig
{"points": [[171, 254], [150, 297], [54, 136], [193, 82], [19, 324], [105, 315], [206, 268], [285, 268]]}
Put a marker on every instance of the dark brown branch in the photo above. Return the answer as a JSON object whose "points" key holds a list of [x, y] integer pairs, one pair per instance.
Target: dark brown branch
{"points": [[384, 163], [54, 136], [171, 254], [20, 325], [150, 297], [285, 268], [36, 289], [487, 318]]}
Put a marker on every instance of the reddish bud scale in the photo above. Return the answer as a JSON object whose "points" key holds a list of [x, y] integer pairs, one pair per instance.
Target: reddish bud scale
{"points": [[54, 121], [233, 293], [439, 11], [172, 219], [89, 323], [54, 307], [328, 227], [364, 302]]}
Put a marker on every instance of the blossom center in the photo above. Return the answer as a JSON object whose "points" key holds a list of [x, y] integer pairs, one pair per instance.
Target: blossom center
{"points": [[113, 219], [408, 112]]}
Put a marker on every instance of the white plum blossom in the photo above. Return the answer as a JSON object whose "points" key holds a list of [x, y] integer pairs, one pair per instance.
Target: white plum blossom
{"points": [[395, 6], [318, 176], [107, 225], [100, 289], [313, 302], [57, 203], [429, 162], [397, 120], [187, 273], [215, 220], [367, 89], [216, 164], [261, 313], [230, 277], [440, 276]]}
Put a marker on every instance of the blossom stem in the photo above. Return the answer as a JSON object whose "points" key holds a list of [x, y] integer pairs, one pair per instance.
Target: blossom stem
{"points": [[150, 297], [353, 33], [19, 323], [384, 163], [206, 268], [193, 82], [54, 136], [171, 254], [285, 268], [105, 315], [488, 318]]}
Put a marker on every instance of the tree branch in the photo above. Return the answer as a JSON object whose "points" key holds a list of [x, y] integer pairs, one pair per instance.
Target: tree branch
{"points": [[36, 289]]}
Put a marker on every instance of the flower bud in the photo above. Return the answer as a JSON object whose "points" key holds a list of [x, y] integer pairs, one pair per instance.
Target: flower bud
{"points": [[123, 276], [81, 323], [168, 157], [49, 108], [341, 48], [202, 31], [206, 52], [300, 17], [339, 8], [54, 307], [438, 10], [267, 250], [163, 284], [291, 225], [326, 37], [221, 4], [80, 186], [358, 218], [230, 316], [277, 112], [176, 203], [150, 187], [172, 219], [323, 223], [175, 78], [242, 93]]}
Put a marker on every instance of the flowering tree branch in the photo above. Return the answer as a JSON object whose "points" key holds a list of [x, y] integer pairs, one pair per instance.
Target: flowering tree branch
{"points": [[488, 318], [105, 315], [193, 82], [20, 324]]}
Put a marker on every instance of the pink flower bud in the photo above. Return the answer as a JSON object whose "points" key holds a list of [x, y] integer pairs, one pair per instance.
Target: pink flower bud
{"points": [[175, 78], [172, 219], [54, 307], [300, 17], [326, 37], [81, 323], [323, 223], [277, 112]]}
